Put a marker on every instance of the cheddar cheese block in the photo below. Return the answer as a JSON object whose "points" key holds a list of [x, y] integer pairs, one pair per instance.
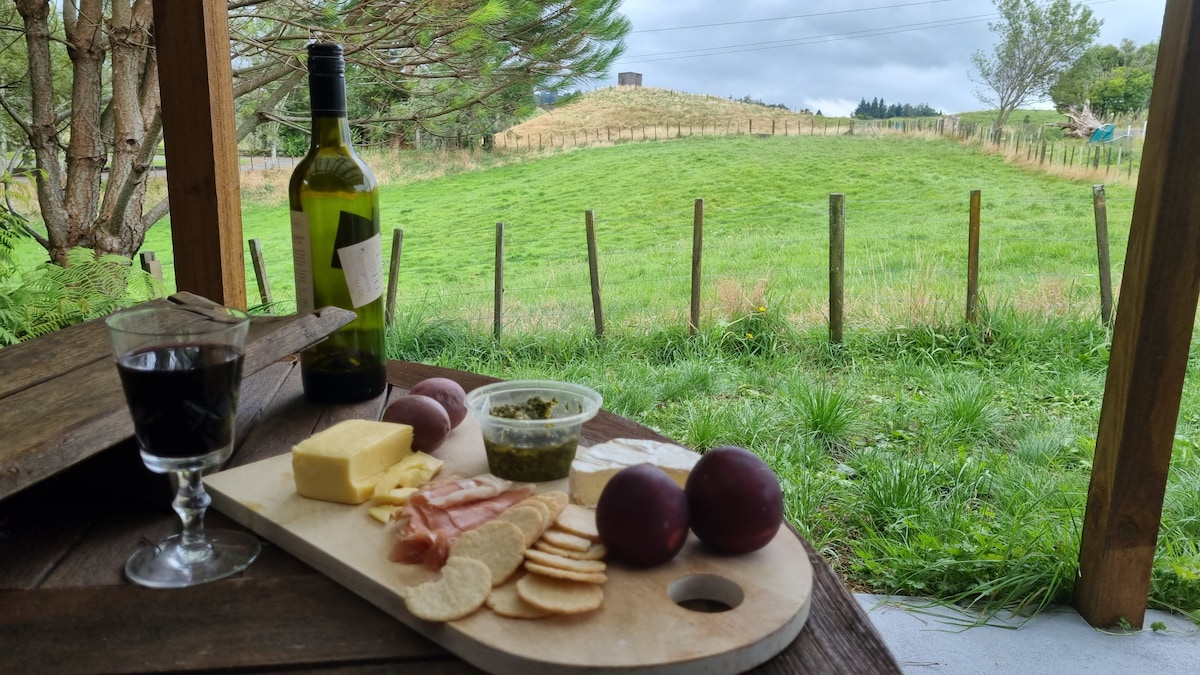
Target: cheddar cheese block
{"points": [[343, 462], [594, 466]]}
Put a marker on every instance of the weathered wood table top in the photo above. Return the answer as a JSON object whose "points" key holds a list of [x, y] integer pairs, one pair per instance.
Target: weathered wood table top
{"points": [[66, 608]]}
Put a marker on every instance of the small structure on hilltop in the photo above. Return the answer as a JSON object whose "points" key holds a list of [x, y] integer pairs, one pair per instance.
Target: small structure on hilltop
{"points": [[629, 79]]}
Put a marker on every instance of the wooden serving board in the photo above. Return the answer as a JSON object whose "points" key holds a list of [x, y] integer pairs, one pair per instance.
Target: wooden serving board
{"points": [[640, 627]]}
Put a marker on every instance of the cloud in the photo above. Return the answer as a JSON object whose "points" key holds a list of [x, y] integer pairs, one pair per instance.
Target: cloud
{"points": [[837, 51]]}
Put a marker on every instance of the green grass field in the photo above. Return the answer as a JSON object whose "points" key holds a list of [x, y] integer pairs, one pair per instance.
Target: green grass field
{"points": [[923, 456], [765, 230]]}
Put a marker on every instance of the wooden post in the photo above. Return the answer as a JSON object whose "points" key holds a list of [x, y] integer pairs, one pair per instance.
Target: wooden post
{"points": [[260, 274], [973, 259], [589, 220], [150, 264], [199, 132], [1150, 343], [1100, 208], [394, 274], [498, 288], [697, 245], [837, 266]]}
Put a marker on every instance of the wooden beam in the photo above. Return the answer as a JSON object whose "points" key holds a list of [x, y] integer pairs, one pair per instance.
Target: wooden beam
{"points": [[196, 83], [1153, 330]]}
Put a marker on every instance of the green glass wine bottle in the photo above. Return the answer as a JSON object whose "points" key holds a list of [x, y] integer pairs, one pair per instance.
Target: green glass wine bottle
{"points": [[336, 244]]}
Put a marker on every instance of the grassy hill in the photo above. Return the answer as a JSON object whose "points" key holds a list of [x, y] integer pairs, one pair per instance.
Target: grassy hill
{"points": [[650, 107]]}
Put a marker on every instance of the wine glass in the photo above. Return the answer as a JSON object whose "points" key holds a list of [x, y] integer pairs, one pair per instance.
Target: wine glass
{"points": [[181, 370]]}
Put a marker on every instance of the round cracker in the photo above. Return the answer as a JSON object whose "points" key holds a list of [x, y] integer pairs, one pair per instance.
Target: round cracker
{"points": [[595, 552], [462, 589], [548, 514], [560, 596], [556, 500], [566, 540], [578, 520], [498, 544], [547, 571], [528, 518], [505, 601], [563, 562]]}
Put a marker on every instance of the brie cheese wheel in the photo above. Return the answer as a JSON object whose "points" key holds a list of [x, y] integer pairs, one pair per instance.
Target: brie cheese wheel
{"points": [[594, 466], [343, 463]]}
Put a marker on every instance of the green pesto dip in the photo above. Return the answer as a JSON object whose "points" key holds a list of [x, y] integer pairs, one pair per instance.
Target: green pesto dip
{"points": [[536, 454]]}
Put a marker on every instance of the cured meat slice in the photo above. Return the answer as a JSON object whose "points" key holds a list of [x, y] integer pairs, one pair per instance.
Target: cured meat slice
{"points": [[438, 514]]}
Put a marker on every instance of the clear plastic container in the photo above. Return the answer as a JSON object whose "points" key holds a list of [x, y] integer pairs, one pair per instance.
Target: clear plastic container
{"points": [[540, 448]]}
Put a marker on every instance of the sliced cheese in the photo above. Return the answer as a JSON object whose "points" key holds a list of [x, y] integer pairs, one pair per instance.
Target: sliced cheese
{"points": [[412, 472], [385, 513], [594, 466], [343, 462]]}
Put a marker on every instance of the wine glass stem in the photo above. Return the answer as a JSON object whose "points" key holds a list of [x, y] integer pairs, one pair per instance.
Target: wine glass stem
{"points": [[190, 503]]}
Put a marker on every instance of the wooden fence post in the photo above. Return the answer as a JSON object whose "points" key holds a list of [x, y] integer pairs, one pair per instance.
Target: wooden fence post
{"points": [[1100, 207], [394, 274], [973, 260], [260, 274], [697, 245], [589, 220], [151, 264], [498, 289], [837, 266]]}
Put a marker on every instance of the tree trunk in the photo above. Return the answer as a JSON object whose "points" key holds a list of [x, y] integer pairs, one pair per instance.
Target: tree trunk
{"points": [[86, 154], [43, 137], [1083, 123], [80, 208], [119, 229]]}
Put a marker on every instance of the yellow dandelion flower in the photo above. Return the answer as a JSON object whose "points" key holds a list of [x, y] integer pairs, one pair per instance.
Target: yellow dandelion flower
{"points": [[761, 308], [750, 335]]}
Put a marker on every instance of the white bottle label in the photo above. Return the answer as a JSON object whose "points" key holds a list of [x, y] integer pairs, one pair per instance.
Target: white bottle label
{"points": [[363, 265], [302, 261]]}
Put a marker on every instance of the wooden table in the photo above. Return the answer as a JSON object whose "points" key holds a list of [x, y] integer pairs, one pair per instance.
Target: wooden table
{"points": [[66, 608]]}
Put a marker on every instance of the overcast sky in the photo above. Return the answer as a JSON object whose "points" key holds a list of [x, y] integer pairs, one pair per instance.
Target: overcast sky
{"points": [[829, 54]]}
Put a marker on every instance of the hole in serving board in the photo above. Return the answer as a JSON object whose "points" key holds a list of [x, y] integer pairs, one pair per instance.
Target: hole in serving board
{"points": [[705, 593]]}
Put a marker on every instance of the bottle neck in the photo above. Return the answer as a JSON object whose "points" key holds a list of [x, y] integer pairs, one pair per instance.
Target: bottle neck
{"points": [[327, 99], [330, 132]]}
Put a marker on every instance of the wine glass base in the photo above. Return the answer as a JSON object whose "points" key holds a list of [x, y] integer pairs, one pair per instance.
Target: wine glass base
{"points": [[167, 565]]}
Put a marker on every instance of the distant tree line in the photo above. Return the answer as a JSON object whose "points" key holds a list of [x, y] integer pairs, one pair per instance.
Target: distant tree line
{"points": [[878, 109], [1116, 79]]}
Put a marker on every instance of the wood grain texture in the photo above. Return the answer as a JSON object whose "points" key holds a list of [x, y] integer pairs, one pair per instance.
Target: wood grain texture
{"points": [[64, 410], [31, 363], [309, 621], [199, 134], [1151, 336]]}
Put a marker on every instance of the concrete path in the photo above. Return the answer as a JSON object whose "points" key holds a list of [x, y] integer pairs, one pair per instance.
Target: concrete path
{"points": [[929, 639]]}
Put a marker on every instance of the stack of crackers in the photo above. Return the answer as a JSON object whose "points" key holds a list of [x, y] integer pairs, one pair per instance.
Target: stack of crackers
{"points": [[556, 544]]}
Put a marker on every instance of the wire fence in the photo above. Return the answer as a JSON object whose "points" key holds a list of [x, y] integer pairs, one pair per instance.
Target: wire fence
{"points": [[1044, 145], [902, 262]]}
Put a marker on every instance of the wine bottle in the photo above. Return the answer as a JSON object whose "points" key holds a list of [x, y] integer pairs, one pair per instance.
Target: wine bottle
{"points": [[336, 244]]}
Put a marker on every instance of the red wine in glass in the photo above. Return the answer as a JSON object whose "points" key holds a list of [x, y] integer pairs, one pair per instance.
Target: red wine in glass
{"points": [[183, 398], [181, 371]]}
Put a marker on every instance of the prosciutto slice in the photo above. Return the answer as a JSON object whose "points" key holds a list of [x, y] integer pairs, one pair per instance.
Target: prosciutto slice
{"points": [[438, 514]]}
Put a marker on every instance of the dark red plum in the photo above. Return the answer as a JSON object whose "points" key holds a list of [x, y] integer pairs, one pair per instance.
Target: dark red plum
{"points": [[426, 416], [735, 500], [642, 516], [447, 392]]}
